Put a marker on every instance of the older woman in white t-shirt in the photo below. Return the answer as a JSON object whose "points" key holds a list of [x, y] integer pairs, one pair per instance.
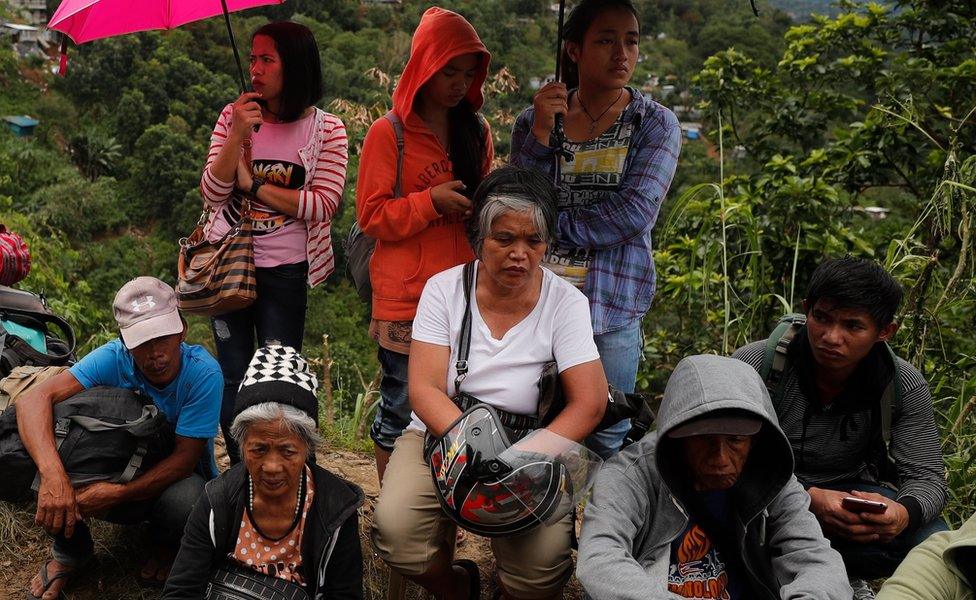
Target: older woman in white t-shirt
{"points": [[523, 316]]}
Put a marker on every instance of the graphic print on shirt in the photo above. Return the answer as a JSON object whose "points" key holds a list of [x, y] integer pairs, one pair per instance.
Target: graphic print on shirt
{"points": [[596, 170], [426, 180], [265, 219], [697, 570]]}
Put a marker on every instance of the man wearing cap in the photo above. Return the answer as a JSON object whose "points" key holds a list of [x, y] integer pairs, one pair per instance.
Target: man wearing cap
{"points": [[707, 506], [184, 381]]}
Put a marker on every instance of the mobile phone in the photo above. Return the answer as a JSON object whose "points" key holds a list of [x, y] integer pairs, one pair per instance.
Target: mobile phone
{"points": [[858, 505]]}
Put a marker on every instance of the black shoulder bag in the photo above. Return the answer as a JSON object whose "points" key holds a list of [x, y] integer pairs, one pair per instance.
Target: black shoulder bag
{"points": [[518, 426], [233, 581]]}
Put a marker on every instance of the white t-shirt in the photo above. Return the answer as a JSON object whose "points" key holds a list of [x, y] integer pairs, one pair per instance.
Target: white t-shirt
{"points": [[505, 373]]}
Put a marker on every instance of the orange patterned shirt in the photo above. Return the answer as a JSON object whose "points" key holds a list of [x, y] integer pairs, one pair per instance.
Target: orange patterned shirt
{"points": [[280, 558]]}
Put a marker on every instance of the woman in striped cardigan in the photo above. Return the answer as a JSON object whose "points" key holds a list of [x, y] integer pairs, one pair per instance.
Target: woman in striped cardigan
{"points": [[294, 173]]}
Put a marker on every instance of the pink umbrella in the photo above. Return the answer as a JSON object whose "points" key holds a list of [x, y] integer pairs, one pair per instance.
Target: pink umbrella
{"points": [[86, 20]]}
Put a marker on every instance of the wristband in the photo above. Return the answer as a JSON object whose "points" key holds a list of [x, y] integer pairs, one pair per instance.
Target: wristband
{"points": [[256, 184]]}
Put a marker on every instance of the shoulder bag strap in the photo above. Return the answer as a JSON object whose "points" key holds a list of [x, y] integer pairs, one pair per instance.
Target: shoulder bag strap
{"points": [[776, 359], [398, 132], [246, 206], [464, 338], [208, 212], [892, 392]]}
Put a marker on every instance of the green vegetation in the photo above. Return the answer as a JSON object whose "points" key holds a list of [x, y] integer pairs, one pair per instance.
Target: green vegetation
{"points": [[805, 127]]}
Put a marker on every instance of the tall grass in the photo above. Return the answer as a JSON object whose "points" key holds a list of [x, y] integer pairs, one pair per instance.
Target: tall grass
{"points": [[731, 254]]}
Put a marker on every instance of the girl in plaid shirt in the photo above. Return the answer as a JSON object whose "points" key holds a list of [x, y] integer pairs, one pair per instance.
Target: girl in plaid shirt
{"points": [[624, 153]]}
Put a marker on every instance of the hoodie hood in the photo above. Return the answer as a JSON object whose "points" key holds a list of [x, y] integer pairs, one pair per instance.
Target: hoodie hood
{"points": [[441, 36], [704, 384]]}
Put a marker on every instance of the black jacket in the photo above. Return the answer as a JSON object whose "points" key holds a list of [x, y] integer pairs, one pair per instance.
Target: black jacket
{"points": [[330, 541]]}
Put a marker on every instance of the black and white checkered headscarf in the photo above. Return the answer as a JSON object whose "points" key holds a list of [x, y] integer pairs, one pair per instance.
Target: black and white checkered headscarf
{"points": [[278, 374]]}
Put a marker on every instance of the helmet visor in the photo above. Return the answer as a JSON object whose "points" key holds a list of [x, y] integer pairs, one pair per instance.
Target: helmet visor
{"points": [[575, 464]]}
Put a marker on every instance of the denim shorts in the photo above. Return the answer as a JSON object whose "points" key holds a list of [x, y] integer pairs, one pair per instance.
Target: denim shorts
{"points": [[393, 411]]}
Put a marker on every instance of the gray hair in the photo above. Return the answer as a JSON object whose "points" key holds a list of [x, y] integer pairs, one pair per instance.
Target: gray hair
{"points": [[497, 205], [295, 420]]}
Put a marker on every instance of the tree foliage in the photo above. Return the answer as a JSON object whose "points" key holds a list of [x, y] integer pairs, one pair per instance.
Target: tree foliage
{"points": [[807, 126]]}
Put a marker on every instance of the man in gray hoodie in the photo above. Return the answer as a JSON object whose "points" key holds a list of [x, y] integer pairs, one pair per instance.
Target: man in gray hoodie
{"points": [[707, 506]]}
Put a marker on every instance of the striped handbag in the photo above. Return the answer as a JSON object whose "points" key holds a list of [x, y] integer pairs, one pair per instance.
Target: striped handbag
{"points": [[217, 277]]}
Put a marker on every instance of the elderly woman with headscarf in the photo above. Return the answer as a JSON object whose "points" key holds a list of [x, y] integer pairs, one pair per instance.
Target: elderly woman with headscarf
{"points": [[522, 317], [276, 518]]}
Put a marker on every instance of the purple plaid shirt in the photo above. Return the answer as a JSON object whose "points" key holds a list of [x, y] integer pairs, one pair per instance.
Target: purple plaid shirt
{"points": [[621, 280]]}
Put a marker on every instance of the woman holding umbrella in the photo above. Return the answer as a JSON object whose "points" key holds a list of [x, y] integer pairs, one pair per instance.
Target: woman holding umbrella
{"points": [[622, 153], [289, 158]]}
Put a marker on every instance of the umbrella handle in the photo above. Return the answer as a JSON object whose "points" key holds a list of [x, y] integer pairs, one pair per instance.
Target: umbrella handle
{"points": [[237, 56]]}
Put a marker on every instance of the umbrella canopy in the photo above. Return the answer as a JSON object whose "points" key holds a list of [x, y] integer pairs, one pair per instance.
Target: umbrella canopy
{"points": [[86, 20]]}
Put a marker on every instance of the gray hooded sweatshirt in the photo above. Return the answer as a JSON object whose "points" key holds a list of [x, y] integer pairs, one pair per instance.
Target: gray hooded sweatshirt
{"points": [[639, 502]]}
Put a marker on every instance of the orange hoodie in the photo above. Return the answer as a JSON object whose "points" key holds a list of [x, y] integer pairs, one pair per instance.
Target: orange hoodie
{"points": [[413, 241]]}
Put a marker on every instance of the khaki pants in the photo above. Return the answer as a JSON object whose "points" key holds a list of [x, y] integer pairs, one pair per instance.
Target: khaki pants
{"points": [[410, 532]]}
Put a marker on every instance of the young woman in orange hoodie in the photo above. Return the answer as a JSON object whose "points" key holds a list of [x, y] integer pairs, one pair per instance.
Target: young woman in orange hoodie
{"points": [[447, 150]]}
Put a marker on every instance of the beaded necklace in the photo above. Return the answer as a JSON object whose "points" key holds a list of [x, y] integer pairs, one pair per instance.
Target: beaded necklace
{"points": [[298, 506]]}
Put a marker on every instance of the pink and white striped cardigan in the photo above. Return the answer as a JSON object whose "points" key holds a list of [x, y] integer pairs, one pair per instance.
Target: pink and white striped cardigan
{"points": [[324, 158]]}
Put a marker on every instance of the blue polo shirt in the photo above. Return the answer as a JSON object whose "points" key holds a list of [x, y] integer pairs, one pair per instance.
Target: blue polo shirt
{"points": [[191, 401]]}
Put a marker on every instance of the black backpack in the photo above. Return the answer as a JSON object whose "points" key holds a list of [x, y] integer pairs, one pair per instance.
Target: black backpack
{"points": [[31, 311], [102, 434]]}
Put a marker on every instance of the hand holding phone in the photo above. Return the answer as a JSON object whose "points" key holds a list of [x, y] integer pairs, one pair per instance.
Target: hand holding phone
{"points": [[859, 505]]}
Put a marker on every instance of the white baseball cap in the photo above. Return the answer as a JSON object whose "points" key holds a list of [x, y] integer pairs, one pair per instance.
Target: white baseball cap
{"points": [[145, 309]]}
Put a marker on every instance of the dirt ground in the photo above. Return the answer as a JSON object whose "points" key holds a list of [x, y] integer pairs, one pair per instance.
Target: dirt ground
{"points": [[119, 550]]}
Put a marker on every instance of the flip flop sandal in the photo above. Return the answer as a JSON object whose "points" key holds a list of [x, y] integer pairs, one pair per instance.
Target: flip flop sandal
{"points": [[47, 581], [474, 577]]}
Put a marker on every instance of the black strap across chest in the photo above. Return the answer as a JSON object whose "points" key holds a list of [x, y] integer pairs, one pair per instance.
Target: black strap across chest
{"points": [[521, 423]]}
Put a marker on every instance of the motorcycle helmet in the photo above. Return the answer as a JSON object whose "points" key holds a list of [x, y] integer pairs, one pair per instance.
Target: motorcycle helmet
{"points": [[494, 488]]}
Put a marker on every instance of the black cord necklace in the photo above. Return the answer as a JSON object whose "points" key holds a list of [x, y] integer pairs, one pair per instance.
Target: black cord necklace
{"points": [[593, 121]]}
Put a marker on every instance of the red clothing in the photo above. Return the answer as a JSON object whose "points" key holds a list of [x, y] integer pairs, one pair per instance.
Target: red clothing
{"points": [[413, 240]]}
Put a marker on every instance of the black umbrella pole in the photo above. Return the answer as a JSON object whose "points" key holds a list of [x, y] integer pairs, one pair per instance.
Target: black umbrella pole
{"points": [[233, 44], [559, 40], [558, 135]]}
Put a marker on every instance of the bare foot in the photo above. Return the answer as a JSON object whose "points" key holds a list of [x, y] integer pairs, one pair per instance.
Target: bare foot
{"points": [[55, 575], [157, 566]]}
